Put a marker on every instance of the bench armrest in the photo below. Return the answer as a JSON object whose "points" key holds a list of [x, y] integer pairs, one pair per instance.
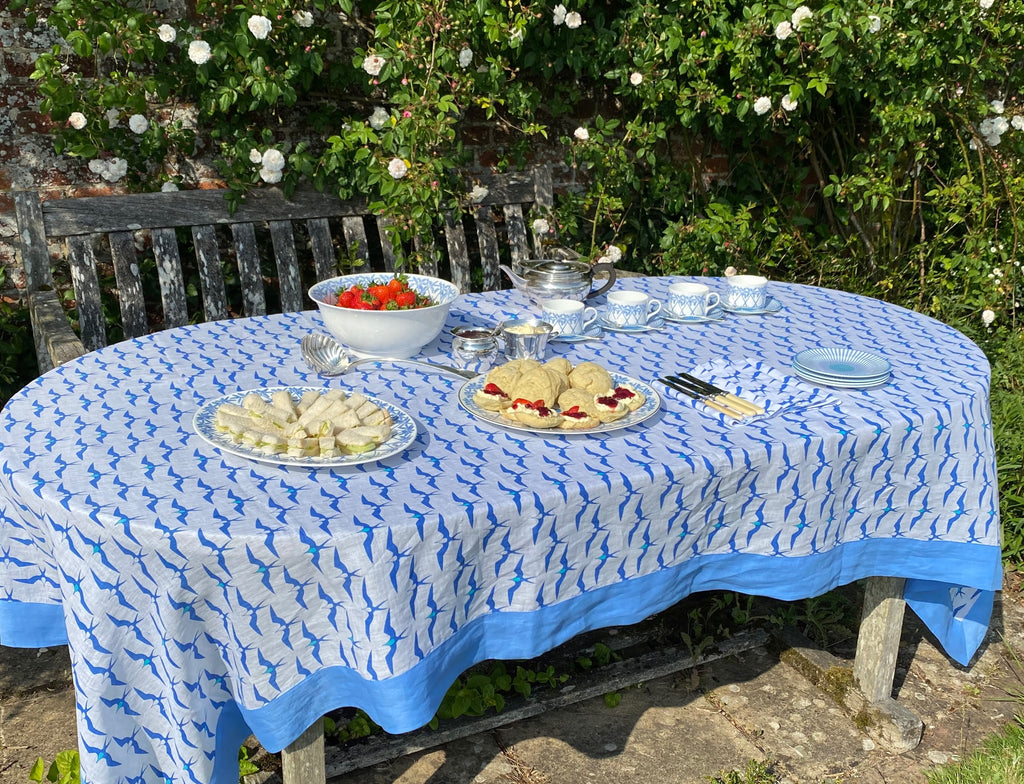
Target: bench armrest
{"points": [[51, 327]]}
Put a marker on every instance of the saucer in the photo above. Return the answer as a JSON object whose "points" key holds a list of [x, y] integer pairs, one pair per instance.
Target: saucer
{"points": [[656, 322], [715, 314], [771, 305], [591, 332]]}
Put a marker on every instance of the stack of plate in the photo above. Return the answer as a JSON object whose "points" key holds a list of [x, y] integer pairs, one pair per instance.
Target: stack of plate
{"points": [[846, 368]]}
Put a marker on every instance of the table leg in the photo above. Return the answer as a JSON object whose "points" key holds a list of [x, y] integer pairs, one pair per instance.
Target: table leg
{"points": [[302, 762], [878, 642]]}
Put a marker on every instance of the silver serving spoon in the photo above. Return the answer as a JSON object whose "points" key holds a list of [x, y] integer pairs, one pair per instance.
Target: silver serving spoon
{"points": [[326, 356]]}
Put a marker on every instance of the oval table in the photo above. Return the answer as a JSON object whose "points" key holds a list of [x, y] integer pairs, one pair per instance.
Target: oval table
{"points": [[206, 596]]}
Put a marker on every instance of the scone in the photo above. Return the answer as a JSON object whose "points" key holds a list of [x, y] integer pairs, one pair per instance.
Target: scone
{"points": [[631, 397], [532, 414], [559, 365], [609, 408], [575, 418], [537, 384], [491, 397], [505, 375], [578, 398], [591, 377]]}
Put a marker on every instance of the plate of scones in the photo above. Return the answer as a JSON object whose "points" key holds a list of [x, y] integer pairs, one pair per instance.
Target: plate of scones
{"points": [[558, 398]]}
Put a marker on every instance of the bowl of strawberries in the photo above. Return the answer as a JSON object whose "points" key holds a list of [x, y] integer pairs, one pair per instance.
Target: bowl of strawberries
{"points": [[378, 314]]}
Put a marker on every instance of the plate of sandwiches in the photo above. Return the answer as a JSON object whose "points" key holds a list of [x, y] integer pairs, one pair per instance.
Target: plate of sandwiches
{"points": [[305, 426]]}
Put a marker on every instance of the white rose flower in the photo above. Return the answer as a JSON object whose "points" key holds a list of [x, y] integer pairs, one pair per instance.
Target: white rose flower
{"points": [[113, 118], [582, 134], [77, 120], [788, 103], [169, 187], [799, 15], [1000, 125], [559, 14], [379, 118], [272, 160], [993, 140], [986, 4], [985, 127], [166, 33], [573, 20], [199, 52], [763, 105], [259, 26], [478, 194], [613, 253], [465, 57], [115, 170], [783, 30], [303, 18], [636, 78], [987, 317], [874, 23], [270, 176], [138, 124], [997, 107], [541, 226], [255, 156], [1018, 122], [398, 168], [96, 166], [730, 271], [373, 64]]}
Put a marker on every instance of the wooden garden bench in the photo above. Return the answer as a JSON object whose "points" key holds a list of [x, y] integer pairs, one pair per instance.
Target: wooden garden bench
{"points": [[166, 241]]}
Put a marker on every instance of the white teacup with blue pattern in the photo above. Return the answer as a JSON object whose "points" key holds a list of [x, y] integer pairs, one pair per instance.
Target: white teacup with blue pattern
{"points": [[747, 292], [691, 300], [630, 309], [567, 316]]}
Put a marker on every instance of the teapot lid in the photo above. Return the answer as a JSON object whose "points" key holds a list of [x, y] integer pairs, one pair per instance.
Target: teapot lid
{"points": [[557, 270]]}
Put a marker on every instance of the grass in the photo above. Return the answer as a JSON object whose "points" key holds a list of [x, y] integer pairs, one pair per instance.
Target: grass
{"points": [[999, 761]]}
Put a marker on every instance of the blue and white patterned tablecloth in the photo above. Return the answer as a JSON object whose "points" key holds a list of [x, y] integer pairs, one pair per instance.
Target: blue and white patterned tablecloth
{"points": [[204, 595]]}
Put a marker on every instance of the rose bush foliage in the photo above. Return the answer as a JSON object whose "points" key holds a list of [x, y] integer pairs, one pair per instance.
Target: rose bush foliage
{"points": [[866, 145]]}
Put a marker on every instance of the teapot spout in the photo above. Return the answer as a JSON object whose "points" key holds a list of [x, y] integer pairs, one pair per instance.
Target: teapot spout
{"points": [[517, 281]]}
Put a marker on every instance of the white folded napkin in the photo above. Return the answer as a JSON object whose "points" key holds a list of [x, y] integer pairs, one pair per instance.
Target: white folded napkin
{"points": [[759, 383]]}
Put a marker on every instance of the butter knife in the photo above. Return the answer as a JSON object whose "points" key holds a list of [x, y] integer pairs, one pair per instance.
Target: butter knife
{"points": [[729, 397], [692, 392]]}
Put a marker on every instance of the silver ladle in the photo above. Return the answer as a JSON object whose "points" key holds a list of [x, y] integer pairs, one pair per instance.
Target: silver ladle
{"points": [[326, 356]]}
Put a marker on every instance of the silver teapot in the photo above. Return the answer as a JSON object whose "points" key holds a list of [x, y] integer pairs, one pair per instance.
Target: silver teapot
{"points": [[541, 279]]}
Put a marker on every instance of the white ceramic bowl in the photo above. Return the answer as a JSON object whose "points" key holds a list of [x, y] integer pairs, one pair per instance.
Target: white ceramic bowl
{"points": [[384, 333]]}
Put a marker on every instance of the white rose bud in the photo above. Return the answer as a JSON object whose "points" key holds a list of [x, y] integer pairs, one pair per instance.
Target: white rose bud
{"points": [[636, 78]]}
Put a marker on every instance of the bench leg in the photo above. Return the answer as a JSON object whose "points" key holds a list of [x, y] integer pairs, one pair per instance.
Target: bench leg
{"points": [[302, 762], [878, 642]]}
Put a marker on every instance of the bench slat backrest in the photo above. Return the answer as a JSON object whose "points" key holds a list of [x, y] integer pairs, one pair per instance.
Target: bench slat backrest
{"points": [[122, 236]]}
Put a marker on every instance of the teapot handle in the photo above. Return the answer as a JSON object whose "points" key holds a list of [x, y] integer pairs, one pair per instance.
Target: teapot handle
{"points": [[608, 267]]}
